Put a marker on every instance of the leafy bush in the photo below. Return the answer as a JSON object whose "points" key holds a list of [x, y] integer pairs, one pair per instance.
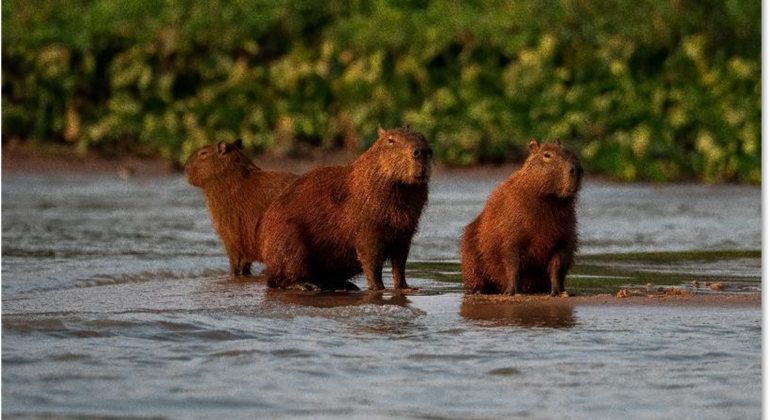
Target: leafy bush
{"points": [[645, 89]]}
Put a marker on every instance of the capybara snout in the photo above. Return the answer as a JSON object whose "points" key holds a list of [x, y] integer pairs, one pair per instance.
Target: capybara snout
{"points": [[409, 157]]}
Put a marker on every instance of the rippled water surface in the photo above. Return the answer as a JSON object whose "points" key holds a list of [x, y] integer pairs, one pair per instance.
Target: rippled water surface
{"points": [[116, 302]]}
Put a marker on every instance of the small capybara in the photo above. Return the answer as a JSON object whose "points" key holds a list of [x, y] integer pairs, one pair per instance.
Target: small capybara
{"points": [[237, 195], [336, 222], [525, 238]]}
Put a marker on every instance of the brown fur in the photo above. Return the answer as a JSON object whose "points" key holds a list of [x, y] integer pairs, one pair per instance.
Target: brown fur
{"points": [[336, 222], [526, 237], [237, 195]]}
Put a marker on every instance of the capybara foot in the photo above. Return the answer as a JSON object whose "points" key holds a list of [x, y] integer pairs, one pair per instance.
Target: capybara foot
{"points": [[408, 290], [405, 287], [303, 286]]}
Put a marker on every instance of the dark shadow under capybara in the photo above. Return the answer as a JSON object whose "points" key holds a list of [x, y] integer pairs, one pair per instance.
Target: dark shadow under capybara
{"points": [[336, 222], [525, 239], [237, 195]]}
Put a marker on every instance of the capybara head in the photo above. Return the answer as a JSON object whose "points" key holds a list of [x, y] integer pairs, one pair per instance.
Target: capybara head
{"points": [[404, 155], [553, 169], [212, 161]]}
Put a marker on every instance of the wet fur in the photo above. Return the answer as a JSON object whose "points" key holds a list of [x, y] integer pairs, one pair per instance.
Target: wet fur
{"points": [[237, 195], [340, 221], [525, 239]]}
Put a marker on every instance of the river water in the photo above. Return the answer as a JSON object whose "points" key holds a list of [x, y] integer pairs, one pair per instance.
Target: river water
{"points": [[116, 304]]}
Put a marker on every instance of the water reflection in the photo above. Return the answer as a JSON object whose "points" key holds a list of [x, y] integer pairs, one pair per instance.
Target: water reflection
{"points": [[334, 299], [551, 313]]}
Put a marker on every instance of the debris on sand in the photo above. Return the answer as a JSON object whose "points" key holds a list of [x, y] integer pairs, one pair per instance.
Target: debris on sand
{"points": [[675, 291], [695, 284], [716, 287], [622, 293]]}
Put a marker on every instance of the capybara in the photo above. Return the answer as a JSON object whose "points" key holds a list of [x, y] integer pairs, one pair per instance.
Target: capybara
{"points": [[336, 222], [237, 195], [525, 238]]}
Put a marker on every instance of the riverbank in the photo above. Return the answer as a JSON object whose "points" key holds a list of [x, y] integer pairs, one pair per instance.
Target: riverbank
{"points": [[51, 158]]}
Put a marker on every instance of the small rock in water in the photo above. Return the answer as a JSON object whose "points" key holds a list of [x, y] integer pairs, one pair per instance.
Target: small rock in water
{"points": [[716, 286], [622, 293], [675, 291], [695, 284], [125, 172], [649, 286], [505, 371]]}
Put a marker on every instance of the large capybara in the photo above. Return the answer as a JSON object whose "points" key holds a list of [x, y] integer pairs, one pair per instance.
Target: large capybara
{"points": [[336, 222], [237, 195], [526, 237]]}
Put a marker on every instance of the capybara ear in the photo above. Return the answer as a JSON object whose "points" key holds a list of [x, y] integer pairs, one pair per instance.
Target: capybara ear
{"points": [[533, 145], [222, 147], [381, 131], [238, 144], [557, 142]]}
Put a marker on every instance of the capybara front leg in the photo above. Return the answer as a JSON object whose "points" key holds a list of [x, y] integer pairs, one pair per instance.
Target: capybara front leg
{"points": [[286, 258], [371, 258], [557, 272], [398, 263], [239, 266], [513, 274]]}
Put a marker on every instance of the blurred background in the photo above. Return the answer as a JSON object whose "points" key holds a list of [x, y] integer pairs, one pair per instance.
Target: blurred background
{"points": [[642, 89]]}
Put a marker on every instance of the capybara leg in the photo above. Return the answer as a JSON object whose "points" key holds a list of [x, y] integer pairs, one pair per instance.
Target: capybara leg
{"points": [[235, 262], [473, 281], [374, 276], [246, 268], [239, 265], [513, 274], [286, 258], [370, 255], [557, 272], [398, 263]]}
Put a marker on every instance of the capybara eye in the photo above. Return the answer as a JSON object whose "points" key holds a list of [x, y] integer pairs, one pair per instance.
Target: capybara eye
{"points": [[547, 155], [202, 153], [391, 140]]}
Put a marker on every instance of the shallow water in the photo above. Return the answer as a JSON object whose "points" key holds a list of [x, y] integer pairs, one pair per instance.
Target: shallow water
{"points": [[115, 302]]}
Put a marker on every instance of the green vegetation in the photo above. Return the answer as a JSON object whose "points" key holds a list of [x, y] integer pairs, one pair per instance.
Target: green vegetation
{"points": [[644, 89]]}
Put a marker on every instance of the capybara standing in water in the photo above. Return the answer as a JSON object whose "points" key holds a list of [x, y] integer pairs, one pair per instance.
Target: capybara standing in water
{"points": [[237, 195], [526, 237], [336, 222]]}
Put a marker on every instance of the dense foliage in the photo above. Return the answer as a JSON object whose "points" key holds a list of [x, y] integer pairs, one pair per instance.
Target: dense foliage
{"points": [[644, 89]]}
